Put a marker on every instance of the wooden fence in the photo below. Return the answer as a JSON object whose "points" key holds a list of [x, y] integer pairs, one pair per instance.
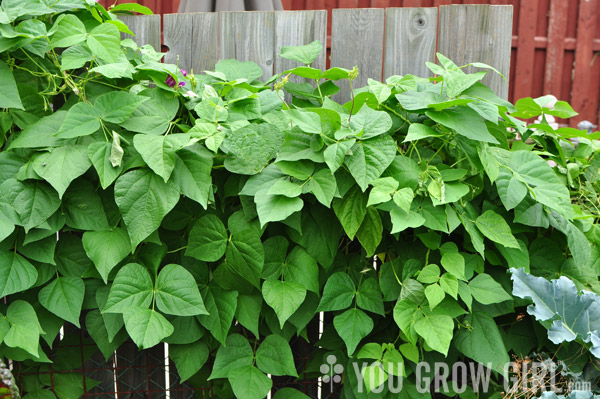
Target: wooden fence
{"points": [[410, 38], [555, 44]]}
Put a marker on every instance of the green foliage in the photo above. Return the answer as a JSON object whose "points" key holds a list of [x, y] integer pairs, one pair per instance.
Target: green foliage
{"points": [[221, 214]]}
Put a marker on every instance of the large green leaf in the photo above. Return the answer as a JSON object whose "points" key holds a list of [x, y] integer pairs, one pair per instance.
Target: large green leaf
{"points": [[132, 287], [246, 255], [482, 341], [370, 123], [117, 106], [144, 199], [465, 122], [64, 298], [100, 156], [94, 324], [338, 293], [323, 185], [177, 292], [249, 383], [304, 54], [351, 210], [252, 147], [189, 358], [16, 273], [369, 296], [285, 297], [34, 201], [193, 166], [275, 208], [352, 326], [406, 314], [248, 311], [61, 166], [437, 330], [208, 239], [486, 290], [159, 151], [83, 207], [235, 354], [146, 327], [154, 115], [24, 329], [82, 119], [494, 227], [106, 249], [70, 31], [274, 356], [105, 43], [370, 232], [220, 305], [370, 158], [9, 95]]}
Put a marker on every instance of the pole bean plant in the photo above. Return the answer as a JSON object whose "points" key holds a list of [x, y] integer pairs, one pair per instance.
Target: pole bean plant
{"points": [[424, 220]]}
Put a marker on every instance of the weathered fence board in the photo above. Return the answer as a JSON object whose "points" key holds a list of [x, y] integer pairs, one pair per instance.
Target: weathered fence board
{"points": [[410, 44], [357, 40], [479, 33], [191, 40], [146, 29]]}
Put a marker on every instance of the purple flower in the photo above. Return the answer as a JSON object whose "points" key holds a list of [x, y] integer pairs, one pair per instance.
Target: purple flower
{"points": [[170, 81]]}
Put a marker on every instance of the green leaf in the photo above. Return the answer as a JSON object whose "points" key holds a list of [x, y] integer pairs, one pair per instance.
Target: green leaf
{"points": [[75, 57], [454, 263], [304, 54], [69, 31], [221, 306], [306, 121], [146, 327], [144, 199], [449, 284], [132, 288], [25, 328], [370, 123], [302, 268], [402, 220], [383, 190], [177, 292], [352, 326], [494, 227], [16, 273], [104, 41], [429, 275], [323, 185], [406, 314], [289, 393], [61, 166], [159, 151], [234, 70], [246, 255], [189, 358], [486, 290], [94, 324], [154, 115], [418, 131], [192, 173], [106, 249], [83, 207], [9, 95], [64, 298], [82, 119], [249, 383], [434, 294], [437, 330], [117, 106], [34, 201], [252, 147], [275, 208], [335, 153], [285, 297], [248, 310], [370, 158], [236, 354], [369, 296], [274, 356], [351, 210], [100, 154], [482, 342], [562, 110], [207, 239], [338, 293], [6, 229], [370, 232], [465, 122]]}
